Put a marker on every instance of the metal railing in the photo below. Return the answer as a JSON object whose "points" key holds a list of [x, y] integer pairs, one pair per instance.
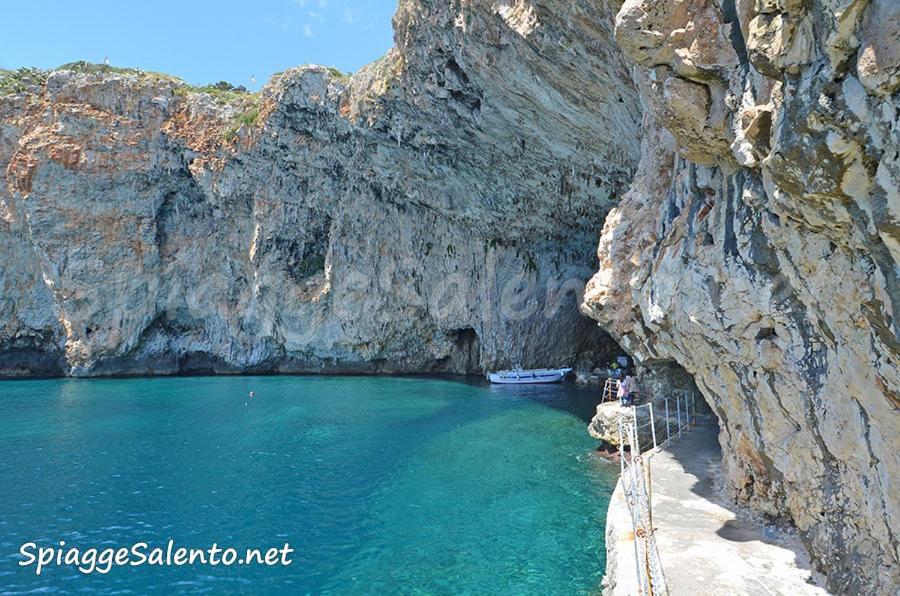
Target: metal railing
{"points": [[639, 426], [610, 390], [636, 485], [683, 404], [680, 414]]}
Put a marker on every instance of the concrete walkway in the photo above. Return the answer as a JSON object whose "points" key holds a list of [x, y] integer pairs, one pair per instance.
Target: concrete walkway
{"points": [[707, 545]]}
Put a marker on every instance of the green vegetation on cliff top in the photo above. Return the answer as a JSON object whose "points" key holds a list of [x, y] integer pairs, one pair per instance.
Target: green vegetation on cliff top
{"points": [[33, 80], [21, 80], [245, 118], [28, 79], [224, 93]]}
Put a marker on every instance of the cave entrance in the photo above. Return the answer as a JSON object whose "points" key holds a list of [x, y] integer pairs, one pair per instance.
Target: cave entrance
{"points": [[465, 354], [660, 378], [675, 403]]}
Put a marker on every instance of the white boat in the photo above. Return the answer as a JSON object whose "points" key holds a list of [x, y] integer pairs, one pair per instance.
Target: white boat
{"points": [[528, 377]]}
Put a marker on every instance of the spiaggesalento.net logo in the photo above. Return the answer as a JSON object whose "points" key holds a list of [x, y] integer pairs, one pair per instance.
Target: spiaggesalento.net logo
{"points": [[102, 560]]}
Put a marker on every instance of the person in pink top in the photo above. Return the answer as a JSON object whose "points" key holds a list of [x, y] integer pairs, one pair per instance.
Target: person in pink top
{"points": [[626, 390]]}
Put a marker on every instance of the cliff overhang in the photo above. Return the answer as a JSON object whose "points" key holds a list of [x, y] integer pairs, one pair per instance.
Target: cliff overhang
{"points": [[757, 248]]}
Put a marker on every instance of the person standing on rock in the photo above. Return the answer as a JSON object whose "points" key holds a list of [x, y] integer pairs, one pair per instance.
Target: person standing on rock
{"points": [[632, 386], [624, 392]]}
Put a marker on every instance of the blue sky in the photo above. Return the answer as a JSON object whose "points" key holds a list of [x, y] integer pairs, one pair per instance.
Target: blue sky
{"points": [[199, 41]]}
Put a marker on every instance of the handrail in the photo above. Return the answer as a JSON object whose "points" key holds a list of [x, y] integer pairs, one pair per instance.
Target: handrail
{"points": [[610, 390], [681, 405], [637, 486], [686, 404], [638, 425]]}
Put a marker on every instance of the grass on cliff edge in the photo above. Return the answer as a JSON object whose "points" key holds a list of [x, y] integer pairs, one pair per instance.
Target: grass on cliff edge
{"points": [[91, 68], [246, 118], [33, 80], [225, 93], [22, 80], [222, 92]]}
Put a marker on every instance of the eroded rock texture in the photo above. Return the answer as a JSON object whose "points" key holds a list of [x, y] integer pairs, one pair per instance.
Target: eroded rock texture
{"points": [[758, 247], [434, 212]]}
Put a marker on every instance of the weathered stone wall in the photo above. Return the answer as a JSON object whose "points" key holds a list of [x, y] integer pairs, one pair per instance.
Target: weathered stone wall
{"points": [[436, 211], [665, 379], [758, 247]]}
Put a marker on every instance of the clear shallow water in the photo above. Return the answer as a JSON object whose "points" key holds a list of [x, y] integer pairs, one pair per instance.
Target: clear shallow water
{"points": [[381, 485]]}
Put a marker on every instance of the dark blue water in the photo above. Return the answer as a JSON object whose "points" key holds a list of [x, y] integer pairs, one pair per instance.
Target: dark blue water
{"points": [[381, 485]]}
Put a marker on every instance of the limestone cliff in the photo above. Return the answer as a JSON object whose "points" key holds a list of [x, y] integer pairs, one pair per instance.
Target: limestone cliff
{"points": [[758, 248], [436, 211]]}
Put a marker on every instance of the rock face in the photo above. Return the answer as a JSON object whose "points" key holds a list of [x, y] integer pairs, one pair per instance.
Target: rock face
{"points": [[758, 248], [434, 212], [604, 426]]}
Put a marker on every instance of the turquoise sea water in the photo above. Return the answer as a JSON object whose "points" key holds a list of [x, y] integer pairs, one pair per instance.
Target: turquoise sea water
{"points": [[381, 485]]}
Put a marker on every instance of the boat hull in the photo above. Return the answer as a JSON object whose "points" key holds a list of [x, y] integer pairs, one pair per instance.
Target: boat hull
{"points": [[528, 377]]}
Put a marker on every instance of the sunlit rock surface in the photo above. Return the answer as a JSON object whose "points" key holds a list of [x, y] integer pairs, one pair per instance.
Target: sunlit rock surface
{"points": [[757, 247], [436, 211]]}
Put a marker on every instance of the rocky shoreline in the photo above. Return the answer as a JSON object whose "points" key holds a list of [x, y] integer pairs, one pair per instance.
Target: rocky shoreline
{"points": [[757, 248]]}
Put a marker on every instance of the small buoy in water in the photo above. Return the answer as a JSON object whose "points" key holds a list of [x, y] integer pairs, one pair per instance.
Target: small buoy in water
{"points": [[251, 395]]}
